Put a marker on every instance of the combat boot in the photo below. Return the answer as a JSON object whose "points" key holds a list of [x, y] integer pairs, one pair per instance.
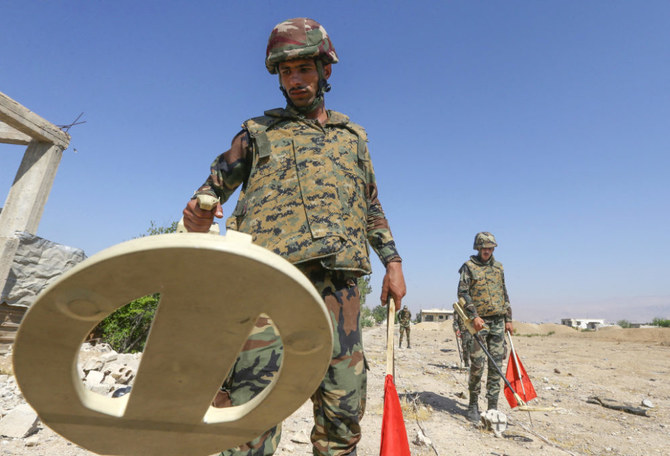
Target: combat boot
{"points": [[472, 414], [493, 404]]}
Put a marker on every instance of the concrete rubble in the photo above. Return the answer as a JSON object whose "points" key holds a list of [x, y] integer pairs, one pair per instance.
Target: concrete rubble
{"points": [[101, 369]]}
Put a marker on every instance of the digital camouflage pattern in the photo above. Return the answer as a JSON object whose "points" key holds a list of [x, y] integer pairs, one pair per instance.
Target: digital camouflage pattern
{"points": [[484, 240], [299, 38], [342, 393], [404, 319], [494, 339], [482, 285], [309, 191]]}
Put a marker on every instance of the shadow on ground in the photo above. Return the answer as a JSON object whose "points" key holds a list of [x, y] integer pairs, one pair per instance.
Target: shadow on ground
{"points": [[436, 402]]}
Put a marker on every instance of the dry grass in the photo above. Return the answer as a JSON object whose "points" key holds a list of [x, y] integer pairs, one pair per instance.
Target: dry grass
{"points": [[412, 410]]}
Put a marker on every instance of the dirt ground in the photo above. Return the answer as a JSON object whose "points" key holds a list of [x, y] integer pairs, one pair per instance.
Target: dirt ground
{"points": [[566, 367]]}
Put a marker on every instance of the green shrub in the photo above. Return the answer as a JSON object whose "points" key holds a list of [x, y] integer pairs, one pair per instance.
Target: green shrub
{"points": [[663, 323], [623, 323], [126, 330], [379, 313]]}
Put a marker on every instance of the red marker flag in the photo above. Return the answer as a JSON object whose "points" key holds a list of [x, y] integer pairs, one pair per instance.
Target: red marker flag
{"points": [[394, 435], [518, 378]]}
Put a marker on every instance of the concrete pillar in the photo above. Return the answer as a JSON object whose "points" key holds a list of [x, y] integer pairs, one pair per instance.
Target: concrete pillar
{"points": [[26, 199]]}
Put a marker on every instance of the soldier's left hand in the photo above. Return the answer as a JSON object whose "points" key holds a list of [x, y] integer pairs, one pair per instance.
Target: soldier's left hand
{"points": [[509, 328], [393, 285]]}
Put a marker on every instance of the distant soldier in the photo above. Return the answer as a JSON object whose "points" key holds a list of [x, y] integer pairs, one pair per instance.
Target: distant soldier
{"points": [[482, 285], [466, 339], [404, 318]]}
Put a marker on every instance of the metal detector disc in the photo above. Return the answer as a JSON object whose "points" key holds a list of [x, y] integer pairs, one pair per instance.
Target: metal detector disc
{"points": [[212, 289]]}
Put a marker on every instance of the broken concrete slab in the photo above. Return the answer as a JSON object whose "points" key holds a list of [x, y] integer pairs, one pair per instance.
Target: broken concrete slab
{"points": [[19, 423]]}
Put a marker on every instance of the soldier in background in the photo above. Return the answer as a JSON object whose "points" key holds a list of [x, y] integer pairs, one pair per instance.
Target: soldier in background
{"points": [[309, 194], [466, 338], [404, 318], [482, 285]]}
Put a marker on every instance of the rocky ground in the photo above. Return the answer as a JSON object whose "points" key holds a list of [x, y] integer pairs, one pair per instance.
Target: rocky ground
{"points": [[567, 367]]}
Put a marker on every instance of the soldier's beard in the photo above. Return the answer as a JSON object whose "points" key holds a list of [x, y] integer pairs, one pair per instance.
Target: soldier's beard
{"points": [[316, 103]]}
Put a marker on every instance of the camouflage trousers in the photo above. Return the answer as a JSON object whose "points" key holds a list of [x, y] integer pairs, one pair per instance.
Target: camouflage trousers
{"points": [[339, 402], [404, 330], [494, 340], [467, 341]]}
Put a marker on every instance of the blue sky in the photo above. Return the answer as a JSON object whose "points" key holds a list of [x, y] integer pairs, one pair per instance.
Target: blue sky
{"points": [[546, 123]]}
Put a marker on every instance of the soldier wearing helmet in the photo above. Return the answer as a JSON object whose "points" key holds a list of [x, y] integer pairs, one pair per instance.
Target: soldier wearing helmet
{"points": [[405, 320], [308, 194], [482, 285]]}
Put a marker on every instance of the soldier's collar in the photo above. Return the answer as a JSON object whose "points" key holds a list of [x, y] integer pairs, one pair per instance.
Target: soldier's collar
{"points": [[334, 117], [337, 118]]}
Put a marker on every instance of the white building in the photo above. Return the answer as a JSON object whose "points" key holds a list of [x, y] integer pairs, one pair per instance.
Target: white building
{"points": [[435, 315], [583, 323]]}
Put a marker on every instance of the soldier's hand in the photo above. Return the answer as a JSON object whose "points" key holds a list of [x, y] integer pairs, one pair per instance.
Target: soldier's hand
{"points": [[509, 327], [198, 220], [393, 285], [478, 323]]}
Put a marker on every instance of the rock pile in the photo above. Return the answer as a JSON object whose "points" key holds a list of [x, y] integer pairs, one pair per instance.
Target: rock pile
{"points": [[105, 371], [101, 369]]}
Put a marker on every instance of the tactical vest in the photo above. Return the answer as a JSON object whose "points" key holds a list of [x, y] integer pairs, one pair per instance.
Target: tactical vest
{"points": [[404, 318], [486, 288], [305, 196]]}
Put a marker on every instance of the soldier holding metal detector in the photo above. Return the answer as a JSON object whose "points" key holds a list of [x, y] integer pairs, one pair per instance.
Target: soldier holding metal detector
{"points": [[308, 194], [486, 305]]}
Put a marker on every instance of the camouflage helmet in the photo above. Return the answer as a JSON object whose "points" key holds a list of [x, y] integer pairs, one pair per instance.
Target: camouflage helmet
{"points": [[299, 38], [484, 240]]}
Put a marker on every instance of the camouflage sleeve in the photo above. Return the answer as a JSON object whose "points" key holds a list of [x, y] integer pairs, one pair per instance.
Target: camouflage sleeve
{"points": [[379, 232], [229, 170], [464, 291], [508, 306]]}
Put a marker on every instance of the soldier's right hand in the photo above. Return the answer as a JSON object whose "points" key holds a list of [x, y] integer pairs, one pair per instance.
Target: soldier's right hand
{"points": [[478, 323], [198, 220]]}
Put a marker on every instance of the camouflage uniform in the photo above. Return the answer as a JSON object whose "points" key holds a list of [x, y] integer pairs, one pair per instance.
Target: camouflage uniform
{"points": [[482, 285], [404, 318], [466, 338], [308, 194]]}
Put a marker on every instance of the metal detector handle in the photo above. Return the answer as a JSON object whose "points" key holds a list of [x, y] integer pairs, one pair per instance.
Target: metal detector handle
{"points": [[459, 307], [206, 203]]}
